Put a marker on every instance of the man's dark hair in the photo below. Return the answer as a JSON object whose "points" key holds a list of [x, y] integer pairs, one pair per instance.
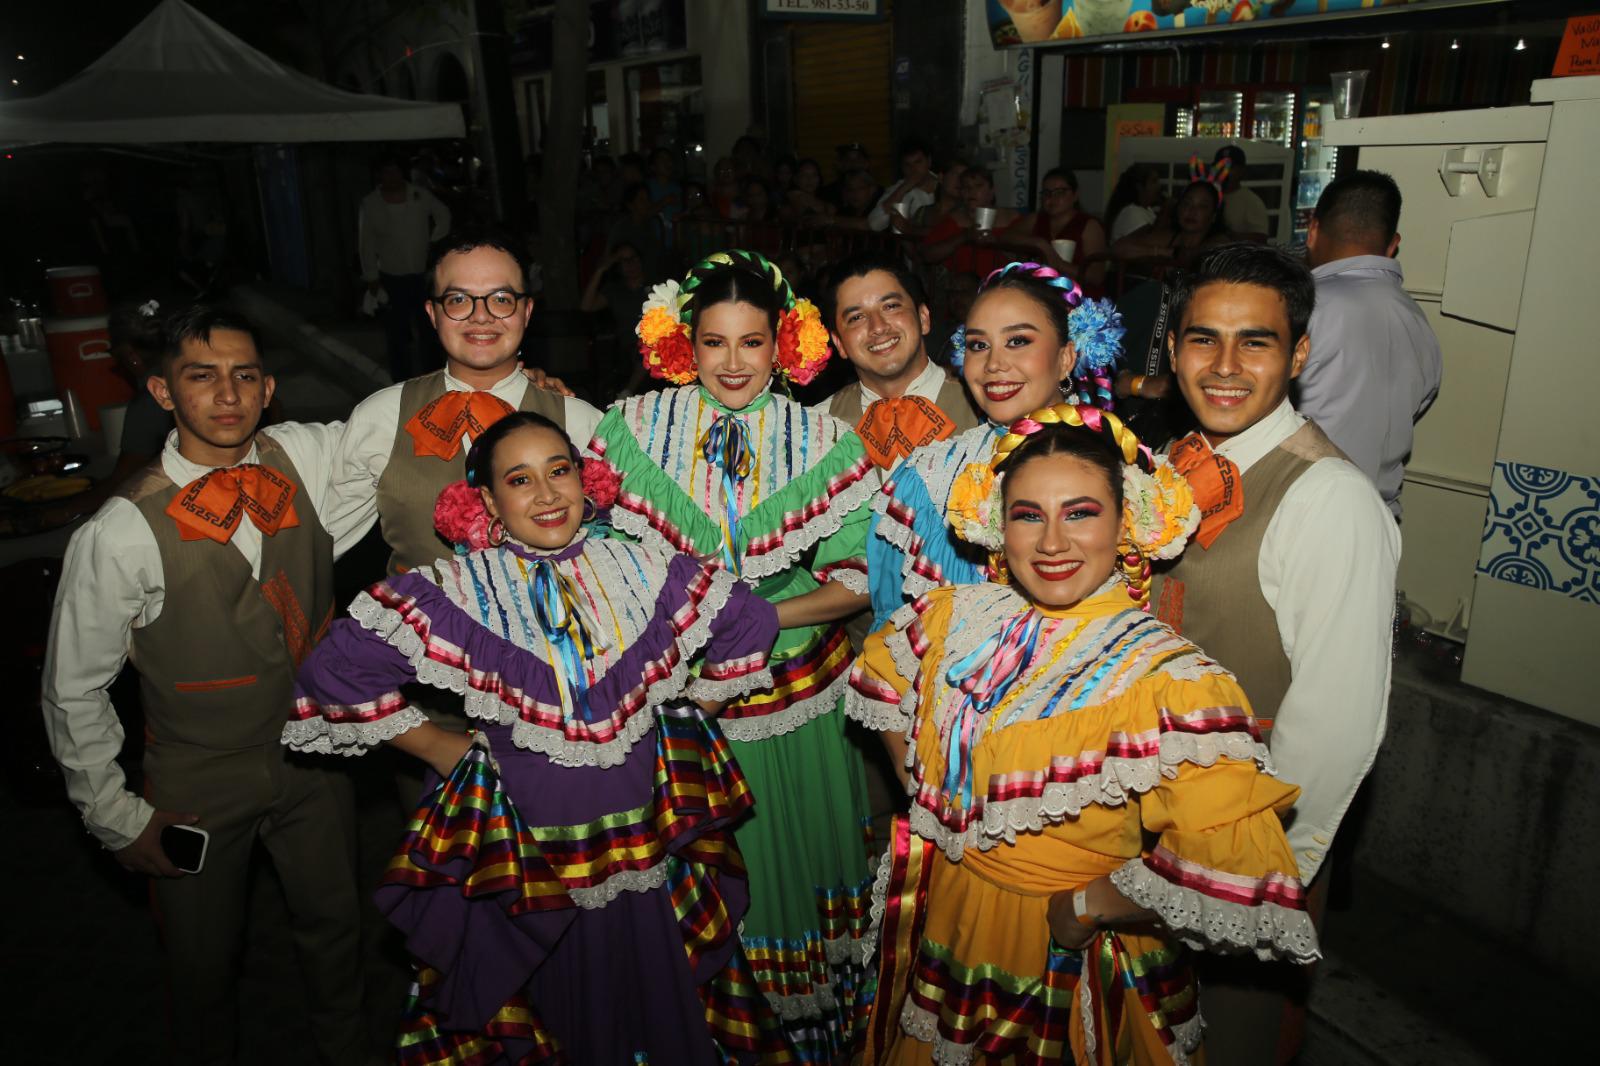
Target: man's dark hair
{"points": [[859, 266], [469, 238], [196, 323], [1250, 264], [1362, 208], [1232, 152], [913, 145]]}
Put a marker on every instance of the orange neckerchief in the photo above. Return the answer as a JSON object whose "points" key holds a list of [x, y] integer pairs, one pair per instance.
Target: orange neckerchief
{"points": [[892, 429], [436, 429], [211, 506], [1215, 481]]}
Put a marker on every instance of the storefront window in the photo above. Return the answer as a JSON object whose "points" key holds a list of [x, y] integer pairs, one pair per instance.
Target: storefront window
{"points": [[666, 104]]}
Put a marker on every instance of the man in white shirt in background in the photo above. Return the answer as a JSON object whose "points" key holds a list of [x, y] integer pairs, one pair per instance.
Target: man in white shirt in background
{"points": [[1243, 212], [1289, 583], [398, 222], [918, 188], [1375, 366], [211, 571]]}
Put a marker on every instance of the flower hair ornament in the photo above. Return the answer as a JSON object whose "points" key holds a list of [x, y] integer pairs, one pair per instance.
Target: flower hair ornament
{"points": [[1158, 508], [1094, 327], [461, 517], [1215, 175], [663, 330]]}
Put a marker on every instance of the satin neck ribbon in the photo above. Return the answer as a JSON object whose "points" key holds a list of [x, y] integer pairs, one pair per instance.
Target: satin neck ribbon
{"points": [[892, 429], [211, 506], [1215, 481], [983, 677], [437, 429], [555, 607], [726, 445]]}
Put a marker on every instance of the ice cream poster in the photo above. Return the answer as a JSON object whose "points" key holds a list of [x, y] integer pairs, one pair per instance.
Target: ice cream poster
{"points": [[1027, 22]]}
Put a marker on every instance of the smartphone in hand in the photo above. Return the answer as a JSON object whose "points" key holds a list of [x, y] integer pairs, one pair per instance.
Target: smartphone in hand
{"points": [[185, 847]]}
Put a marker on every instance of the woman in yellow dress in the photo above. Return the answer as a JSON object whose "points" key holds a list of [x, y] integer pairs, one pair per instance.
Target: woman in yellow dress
{"points": [[1089, 792]]}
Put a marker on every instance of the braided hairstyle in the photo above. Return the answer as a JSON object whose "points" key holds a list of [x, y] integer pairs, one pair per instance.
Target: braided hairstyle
{"points": [[736, 276], [1061, 299], [1097, 437]]}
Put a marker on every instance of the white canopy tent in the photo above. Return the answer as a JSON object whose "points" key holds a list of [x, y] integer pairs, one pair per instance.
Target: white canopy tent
{"points": [[178, 76]]}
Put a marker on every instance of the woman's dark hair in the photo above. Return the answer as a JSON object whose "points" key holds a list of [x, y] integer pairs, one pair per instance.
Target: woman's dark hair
{"points": [[1076, 441], [1064, 174], [733, 284], [1044, 294], [480, 457], [1127, 189], [1216, 202]]}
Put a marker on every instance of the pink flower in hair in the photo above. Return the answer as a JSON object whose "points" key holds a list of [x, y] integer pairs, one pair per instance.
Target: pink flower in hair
{"points": [[461, 518], [601, 482]]}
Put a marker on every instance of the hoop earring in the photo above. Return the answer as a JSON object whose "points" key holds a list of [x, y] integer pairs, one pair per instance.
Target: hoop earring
{"points": [[497, 523], [590, 510]]}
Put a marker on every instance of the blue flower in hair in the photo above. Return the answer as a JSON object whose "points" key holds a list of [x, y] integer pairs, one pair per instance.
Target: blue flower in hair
{"points": [[958, 347], [1096, 330]]}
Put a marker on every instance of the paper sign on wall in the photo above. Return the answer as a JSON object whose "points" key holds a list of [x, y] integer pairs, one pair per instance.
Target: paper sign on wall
{"points": [[1580, 47]]}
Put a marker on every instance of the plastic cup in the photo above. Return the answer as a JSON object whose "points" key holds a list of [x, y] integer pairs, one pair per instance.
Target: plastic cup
{"points": [[1065, 249], [1348, 88], [984, 218]]}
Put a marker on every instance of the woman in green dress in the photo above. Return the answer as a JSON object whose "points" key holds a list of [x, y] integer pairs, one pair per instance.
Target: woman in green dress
{"points": [[725, 468]]}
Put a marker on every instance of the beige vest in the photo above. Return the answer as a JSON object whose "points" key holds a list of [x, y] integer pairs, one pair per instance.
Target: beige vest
{"points": [[1213, 595], [845, 405], [217, 666], [411, 483]]}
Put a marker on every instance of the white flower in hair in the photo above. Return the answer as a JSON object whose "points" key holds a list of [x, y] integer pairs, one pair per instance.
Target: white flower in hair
{"points": [[1158, 510], [667, 296]]}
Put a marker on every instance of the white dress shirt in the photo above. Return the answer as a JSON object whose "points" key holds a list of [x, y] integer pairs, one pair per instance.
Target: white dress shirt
{"points": [[926, 384], [1327, 570], [1374, 367], [394, 238], [1131, 219], [363, 454], [112, 583], [1244, 212]]}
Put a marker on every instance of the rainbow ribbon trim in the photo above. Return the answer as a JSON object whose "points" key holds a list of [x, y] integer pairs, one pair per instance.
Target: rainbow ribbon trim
{"points": [[555, 606], [983, 677]]}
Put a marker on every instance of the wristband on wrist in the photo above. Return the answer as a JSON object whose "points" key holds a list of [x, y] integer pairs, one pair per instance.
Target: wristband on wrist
{"points": [[1080, 908]]}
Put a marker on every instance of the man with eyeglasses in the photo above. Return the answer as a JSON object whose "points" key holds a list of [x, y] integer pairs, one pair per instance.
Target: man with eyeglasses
{"points": [[405, 443]]}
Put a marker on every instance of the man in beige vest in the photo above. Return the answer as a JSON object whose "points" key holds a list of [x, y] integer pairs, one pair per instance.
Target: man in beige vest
{"points": [[1289, 583], [212, 572], [405, 443], [901, 400]]}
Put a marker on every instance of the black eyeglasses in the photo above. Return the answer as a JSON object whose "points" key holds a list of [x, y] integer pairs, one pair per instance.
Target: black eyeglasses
{"points": [[458, 306]]}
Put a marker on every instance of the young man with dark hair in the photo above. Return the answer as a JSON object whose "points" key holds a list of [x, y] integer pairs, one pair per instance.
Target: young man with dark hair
{"points": [[878, 318], [1243, 212], [212, 572], [1375, 366], [1289, 581], [918, 188]]}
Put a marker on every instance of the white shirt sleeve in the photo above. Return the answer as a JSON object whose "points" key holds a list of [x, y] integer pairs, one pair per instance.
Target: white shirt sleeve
{"points": [[1327, 568], [582, 420], [111, 581], [438, 216], [314, 447], [878, 217], [359, 459]]}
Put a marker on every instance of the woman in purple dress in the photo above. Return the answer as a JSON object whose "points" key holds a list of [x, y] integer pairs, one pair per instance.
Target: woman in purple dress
{"points": [[569, 886]]}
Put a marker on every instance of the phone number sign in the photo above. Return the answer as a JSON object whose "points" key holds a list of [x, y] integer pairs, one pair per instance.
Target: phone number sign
{"points": [[822, 9]]}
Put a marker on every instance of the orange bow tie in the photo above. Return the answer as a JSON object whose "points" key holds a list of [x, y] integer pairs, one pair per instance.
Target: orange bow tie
{"points": [[211, 506], [437, 428], [1216, 484], [893, 429]]}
